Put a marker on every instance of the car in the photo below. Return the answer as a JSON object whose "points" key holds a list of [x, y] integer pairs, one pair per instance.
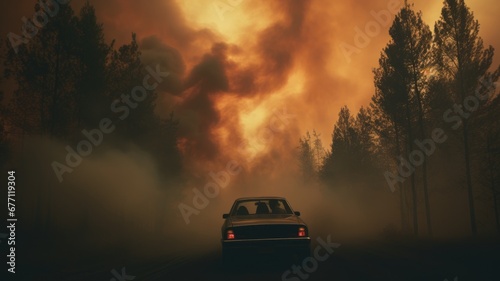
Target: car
{"points": [[262, 227]]}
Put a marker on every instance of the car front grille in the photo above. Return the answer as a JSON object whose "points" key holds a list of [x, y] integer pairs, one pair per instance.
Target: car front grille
{"points": [[265, 231]]}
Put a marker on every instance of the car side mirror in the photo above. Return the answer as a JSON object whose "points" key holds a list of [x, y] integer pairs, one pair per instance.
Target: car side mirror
{"points": [[225, 216], [297, 214]]}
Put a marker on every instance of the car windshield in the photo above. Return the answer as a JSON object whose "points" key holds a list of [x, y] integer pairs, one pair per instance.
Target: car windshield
{"points": [[261, 207]]}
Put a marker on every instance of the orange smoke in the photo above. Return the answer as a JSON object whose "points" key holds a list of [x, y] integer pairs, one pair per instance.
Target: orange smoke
{"points": [[237, 62]]}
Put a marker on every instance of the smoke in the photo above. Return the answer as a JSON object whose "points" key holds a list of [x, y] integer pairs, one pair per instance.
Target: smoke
{"points": [[114, 200], [156, 52], [286, 50]]}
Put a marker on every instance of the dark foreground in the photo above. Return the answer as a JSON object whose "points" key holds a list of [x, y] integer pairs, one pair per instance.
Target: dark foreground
{"points": [[389, 260]]}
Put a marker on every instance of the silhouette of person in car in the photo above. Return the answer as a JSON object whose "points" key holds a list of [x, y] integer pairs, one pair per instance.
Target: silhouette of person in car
{"points": [[275, 207]]}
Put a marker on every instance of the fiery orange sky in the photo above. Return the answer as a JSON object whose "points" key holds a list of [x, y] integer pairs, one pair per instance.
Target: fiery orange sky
{"points": [[241, 61]]}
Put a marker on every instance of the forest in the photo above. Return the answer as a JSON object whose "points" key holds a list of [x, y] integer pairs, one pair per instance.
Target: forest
{"points": [[432, 124], [430, 131]]}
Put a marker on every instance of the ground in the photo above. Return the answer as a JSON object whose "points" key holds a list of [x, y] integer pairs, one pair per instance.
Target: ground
{"points": [[390, 259]]}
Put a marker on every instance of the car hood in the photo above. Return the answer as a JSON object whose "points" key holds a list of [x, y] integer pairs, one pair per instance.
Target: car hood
{"points": [[265, 219]]}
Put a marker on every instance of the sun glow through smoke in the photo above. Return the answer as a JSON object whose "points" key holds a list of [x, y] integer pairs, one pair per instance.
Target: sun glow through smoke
{"points": [[286, 54]]}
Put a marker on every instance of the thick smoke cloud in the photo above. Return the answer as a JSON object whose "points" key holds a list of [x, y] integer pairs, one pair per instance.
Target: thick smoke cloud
{"points": [[276, 47], [206, 80]]}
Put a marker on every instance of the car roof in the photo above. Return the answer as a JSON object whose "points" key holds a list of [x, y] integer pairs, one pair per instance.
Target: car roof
{"points": [[260, 198]]}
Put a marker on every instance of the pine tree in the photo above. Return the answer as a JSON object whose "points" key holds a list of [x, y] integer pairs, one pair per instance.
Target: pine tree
{"points": [[45, 70], [306, 157], [462, 59], [318, 151], [411, 59]]}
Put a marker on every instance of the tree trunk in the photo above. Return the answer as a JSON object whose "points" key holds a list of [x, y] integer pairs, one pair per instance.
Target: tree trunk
{"points": [[497, 216], [413, 187], [403, 206], [492, 178], [424, 165], [495, 204], [465, 132], [470, 193]]}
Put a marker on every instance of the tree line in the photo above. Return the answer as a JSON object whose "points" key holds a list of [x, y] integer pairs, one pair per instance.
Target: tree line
{"points": [[432, 122], [66, 79]]}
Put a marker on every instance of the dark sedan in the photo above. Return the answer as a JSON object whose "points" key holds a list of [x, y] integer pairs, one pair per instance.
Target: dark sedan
{"points": [[263, 226]]}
